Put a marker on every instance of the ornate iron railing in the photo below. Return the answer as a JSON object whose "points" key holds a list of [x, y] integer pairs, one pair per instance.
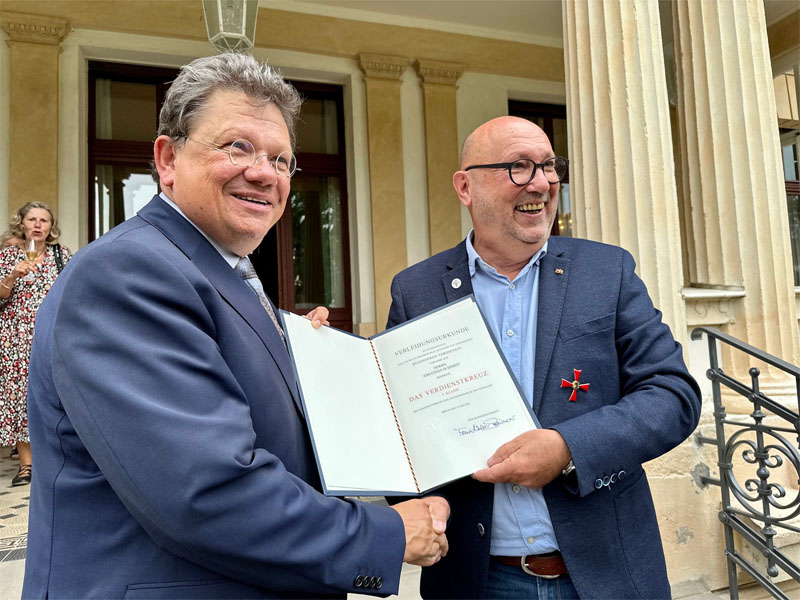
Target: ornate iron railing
{"points": [[748, 445]]}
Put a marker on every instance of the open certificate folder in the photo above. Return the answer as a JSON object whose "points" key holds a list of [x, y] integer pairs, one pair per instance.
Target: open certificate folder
{"points": [[409, 409]]}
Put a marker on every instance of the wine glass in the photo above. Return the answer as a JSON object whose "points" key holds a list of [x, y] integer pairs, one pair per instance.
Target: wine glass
{"points": [[31, 254]]}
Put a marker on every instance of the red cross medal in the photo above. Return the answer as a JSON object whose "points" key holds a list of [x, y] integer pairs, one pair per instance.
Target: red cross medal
{"points": [[575, 385]]}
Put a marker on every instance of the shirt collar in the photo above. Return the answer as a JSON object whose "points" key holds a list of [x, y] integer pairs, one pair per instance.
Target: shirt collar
{"points": [[229, 256], [476, 261]]}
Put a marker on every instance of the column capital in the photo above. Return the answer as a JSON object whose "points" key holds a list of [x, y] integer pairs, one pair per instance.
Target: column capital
{"points": [[436, 71], [36, 29], [382, 65]]}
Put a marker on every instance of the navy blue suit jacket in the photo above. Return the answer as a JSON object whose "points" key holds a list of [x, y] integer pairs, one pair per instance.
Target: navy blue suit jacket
{"points": [[594, 315], [171, 456]]}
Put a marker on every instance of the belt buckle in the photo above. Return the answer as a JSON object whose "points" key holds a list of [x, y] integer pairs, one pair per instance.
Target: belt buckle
{"points": [[525, 568]]}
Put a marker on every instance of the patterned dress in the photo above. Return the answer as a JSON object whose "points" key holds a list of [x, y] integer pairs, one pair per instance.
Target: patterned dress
{"points": [[17, 315]]}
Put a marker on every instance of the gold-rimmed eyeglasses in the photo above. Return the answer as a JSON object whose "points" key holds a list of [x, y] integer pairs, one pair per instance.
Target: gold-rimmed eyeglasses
{"points": [[243, 154]]}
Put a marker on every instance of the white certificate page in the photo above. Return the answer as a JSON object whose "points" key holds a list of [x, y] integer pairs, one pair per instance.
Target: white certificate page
{"points": [[454, 396], [353, 429]]}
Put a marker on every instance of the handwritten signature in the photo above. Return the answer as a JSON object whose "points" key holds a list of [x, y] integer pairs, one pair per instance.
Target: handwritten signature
{"points": [[492, 423]]}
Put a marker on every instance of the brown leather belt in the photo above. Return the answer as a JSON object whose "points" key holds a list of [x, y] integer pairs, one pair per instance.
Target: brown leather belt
{"points": [[549, 565]]}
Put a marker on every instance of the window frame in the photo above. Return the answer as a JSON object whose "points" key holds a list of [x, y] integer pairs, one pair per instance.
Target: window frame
{"points": [[533, 111], [315, 165], [119, 152]]}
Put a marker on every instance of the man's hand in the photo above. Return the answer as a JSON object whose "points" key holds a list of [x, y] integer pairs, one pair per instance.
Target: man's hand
{"points": [[318, 317], [425, 521], [532, 459]]}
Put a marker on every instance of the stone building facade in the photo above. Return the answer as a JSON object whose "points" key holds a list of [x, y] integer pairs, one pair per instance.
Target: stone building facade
{"points": [[681, 129]]}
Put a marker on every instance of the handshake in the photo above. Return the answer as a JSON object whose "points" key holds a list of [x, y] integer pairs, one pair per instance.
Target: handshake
{"points": [[425, 521]]}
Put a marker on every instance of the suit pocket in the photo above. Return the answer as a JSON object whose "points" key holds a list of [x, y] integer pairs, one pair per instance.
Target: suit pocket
{"points": [[570, 332], [185, 590]]}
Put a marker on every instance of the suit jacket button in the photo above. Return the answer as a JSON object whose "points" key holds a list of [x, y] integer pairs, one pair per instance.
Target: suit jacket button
{"points": [[378, 583], [598, 483], [481, 530], [358, 581], [621, 475], [606, 480]]}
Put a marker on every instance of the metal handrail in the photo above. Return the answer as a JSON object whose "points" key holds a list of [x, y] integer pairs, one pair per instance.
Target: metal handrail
{"points": [[757, 499], [713, 332]]}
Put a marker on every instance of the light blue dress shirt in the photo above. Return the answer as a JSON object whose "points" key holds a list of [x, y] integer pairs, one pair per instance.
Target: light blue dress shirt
{"points": [[521, 523]]}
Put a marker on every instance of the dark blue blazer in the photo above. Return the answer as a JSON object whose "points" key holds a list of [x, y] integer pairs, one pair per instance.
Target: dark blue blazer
{"points": [[171, 456], [594, 315]]}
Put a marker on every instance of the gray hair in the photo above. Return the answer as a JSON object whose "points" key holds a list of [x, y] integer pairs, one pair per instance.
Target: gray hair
{"points": [[188, 95]]}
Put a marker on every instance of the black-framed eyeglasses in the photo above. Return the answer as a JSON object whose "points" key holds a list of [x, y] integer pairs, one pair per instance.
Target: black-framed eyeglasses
{"points": [[243, 154], [523, 170]]}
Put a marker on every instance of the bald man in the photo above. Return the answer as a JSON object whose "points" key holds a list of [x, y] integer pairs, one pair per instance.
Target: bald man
{"points": [[564, 511]]}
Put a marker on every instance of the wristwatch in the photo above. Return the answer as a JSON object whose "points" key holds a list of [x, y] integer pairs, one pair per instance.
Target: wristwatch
{"points": [[569, 468]]}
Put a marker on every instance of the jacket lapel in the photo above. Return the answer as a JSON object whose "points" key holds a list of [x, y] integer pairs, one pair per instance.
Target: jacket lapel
{"points": [[239, 295], [553, 278], [230, 286], [456, 281]]}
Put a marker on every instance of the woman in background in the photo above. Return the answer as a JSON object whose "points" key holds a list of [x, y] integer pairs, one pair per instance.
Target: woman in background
{"points": [[26, 273], [10, 239]]}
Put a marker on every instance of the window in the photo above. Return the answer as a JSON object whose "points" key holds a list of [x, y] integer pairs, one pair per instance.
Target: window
{"points": [[794, 232], [790, 147], [552, 118], [124, 101], [308, 251], [305, 260], [789, 128]]}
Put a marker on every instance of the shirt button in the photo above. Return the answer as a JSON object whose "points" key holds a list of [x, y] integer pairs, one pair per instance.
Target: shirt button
{"points": [[516, 488], [511, 286], [530, 539], [510, 332]]}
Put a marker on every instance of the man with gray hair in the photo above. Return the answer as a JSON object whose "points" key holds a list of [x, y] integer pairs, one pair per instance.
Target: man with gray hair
{"points": [[172, 455]]}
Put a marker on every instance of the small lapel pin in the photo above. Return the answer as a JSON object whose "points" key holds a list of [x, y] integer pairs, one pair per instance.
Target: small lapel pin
{"points": [[575, 385], [559, 271], [456, 283]]}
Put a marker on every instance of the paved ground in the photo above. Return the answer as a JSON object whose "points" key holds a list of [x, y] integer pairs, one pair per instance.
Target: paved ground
{"points": [[13, 528]]}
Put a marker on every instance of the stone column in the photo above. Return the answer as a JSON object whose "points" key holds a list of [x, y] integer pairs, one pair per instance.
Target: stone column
{"points": [[387, 192], [441, 143], [736, 219], [733, 190], [33, 148], [621, 164]]}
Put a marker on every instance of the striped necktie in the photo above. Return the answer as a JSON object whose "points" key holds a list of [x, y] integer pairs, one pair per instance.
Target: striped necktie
{"points": [[246, 271]]}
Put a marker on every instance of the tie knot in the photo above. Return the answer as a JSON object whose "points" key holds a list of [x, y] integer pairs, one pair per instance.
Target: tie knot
{"points": [[245, 269]]}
